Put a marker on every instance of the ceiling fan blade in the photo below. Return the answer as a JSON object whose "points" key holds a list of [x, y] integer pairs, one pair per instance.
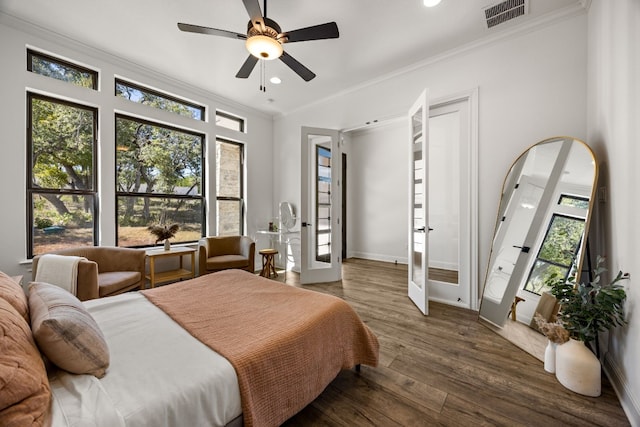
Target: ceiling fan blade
{"points": [[317, 32], [253, 9], [247, 67], [189, 28], [300, 69]]}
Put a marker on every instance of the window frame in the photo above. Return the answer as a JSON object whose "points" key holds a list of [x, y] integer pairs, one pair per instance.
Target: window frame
{"points": [[31, 189], [240, 199], [154, 92], [31, 53], [242, 123], [118, 194], [569, 268]]}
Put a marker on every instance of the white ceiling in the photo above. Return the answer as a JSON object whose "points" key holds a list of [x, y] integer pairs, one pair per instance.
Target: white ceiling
{"points": [[377, 37]]}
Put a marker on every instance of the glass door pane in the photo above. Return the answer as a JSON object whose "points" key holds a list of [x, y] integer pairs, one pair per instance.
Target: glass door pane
{"points": [[323, 204]]}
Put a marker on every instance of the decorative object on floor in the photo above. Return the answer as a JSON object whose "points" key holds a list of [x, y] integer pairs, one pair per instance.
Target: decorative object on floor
{"points": [[550, 357], [162, 232], [578, 369], [535, 234], [268, 263], [556, 335], [589, 308], [585, 310]]}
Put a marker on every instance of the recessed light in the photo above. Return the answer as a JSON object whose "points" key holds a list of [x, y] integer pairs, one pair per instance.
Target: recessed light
{"points": [[431, 3], [275, 80]]}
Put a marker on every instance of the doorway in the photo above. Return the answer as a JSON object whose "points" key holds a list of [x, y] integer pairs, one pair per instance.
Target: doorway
{"points": [[378, 198], [449, 202]]}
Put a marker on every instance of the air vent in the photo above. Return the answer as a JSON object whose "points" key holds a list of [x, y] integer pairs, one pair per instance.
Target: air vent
{"points": [[505, 11]]}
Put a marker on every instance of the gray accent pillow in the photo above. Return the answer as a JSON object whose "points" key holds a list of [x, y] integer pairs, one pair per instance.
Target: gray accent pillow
{"points": [[65, 331]]}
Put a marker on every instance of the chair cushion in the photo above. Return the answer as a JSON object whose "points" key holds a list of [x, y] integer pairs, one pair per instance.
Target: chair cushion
{"points": [[13, 293], [224, 262], [114, 282], [65, 331], [25, 395]]}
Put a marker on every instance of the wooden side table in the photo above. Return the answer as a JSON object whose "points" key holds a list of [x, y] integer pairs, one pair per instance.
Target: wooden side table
{"points": [[168, 276], [268, 263]]}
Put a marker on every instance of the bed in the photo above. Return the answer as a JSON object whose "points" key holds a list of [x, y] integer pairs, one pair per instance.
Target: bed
{"points": [[228, 348]]}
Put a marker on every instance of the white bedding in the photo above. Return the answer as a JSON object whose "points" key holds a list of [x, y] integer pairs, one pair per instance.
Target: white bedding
{"points": [[159, 374]]}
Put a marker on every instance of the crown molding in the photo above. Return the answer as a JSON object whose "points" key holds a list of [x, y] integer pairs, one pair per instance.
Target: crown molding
{"points": [[577, 9]]}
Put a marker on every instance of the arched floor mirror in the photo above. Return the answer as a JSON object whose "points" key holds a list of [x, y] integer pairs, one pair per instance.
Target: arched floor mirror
{"points": [[541, 230]]}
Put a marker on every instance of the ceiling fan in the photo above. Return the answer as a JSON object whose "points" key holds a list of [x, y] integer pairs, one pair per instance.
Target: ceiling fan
{"points": [[264, 39]]}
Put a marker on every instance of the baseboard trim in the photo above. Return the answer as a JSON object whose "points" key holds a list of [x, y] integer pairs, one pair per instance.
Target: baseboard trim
{"points": [[628, 401], [378, 257], [452, 303]]}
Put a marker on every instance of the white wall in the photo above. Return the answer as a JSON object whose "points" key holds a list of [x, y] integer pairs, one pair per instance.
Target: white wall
{"points": [[376, 169], [531, 86], [614, 133], [15, 81]]}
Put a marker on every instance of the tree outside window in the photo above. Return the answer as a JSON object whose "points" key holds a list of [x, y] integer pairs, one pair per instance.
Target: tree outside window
{"points": [[61, 188], [159, 172], [557, 253]]}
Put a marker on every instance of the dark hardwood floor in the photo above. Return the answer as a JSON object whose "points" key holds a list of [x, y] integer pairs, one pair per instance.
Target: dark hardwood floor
{"points": [[442, 369]]}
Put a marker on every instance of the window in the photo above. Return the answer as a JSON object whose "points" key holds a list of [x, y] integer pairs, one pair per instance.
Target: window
{"points": [[158, 100], [49, 66], [61, 183], [574, 201], [323, 204], [229, 188], [556, 255], [159, 172], [229, 121]]}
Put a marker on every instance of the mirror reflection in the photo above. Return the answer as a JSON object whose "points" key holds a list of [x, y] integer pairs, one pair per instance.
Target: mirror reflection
{"points": [[540, 232]]}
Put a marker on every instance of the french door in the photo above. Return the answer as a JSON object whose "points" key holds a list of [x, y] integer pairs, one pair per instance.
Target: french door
{"points": [[419, 203], [321, 205]]}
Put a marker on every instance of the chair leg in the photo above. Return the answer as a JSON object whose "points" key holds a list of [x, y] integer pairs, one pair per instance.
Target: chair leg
{"points": [[273, 267]]}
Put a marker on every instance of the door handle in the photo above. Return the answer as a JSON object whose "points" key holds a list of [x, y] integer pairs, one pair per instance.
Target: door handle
{"points": [[524, 249], [306, 224], [421, 229]]}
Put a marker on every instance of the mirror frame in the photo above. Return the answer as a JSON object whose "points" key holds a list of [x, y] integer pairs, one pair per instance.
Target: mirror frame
{"points": [[509, 182]]}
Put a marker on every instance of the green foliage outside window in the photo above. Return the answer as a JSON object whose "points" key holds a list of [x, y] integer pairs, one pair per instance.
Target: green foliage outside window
{"points": [[555, 258], [158, 100], [62, 70], [61, 187], [159, 180]]}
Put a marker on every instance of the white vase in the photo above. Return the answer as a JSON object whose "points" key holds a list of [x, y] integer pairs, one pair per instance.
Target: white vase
{"points": [[167, 245], [550, 357], [578, 369]]}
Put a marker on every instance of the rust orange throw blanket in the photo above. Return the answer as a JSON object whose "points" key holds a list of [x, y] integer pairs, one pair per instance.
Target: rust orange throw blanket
{"points": [[286, 344]]}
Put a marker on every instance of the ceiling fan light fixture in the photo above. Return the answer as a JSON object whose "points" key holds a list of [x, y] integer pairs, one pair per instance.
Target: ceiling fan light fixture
{"points": [[264, 47]]}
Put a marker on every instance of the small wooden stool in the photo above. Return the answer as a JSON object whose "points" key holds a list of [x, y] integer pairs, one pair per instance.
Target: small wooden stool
{"points": [[513, 307], [268, 263]]}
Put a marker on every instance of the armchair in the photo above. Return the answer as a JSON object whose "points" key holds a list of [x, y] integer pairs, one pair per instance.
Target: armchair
{"points": [[225, 252], [106, 271]]}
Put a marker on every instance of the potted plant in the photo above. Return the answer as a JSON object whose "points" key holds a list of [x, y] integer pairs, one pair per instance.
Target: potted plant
{"points": [[162, 232], [585, 310]]}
